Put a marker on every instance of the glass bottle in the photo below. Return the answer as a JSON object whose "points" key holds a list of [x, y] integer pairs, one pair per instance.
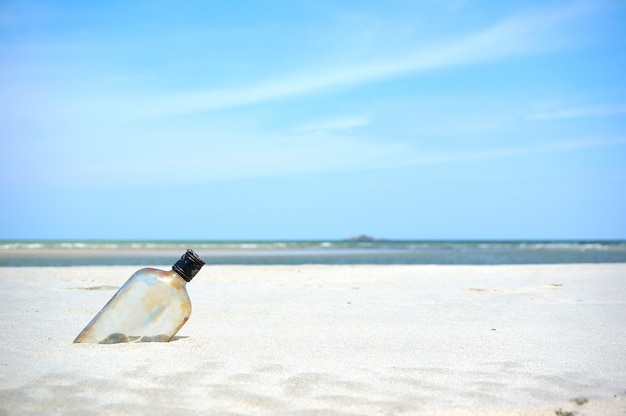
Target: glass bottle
{"points": [[151, 306]]}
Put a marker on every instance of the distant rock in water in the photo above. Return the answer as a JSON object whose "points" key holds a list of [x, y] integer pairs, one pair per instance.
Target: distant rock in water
{"points": [[363, 238]]}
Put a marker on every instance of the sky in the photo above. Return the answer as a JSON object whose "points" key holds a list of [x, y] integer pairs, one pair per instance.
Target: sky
{"points": [[298, 120]]}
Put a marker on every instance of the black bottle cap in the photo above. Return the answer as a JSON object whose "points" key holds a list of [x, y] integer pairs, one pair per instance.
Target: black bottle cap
{"points": [[189, 265]]}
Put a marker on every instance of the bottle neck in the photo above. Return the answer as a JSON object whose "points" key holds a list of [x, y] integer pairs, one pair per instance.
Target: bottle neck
{"points": [[188, 265], [180, 279]]}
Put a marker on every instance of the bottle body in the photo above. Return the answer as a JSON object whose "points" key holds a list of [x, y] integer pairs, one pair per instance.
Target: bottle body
{"points": [[151, 306]]}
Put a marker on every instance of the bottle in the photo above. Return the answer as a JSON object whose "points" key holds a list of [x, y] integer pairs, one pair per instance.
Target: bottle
{"points": [[150, 307]]}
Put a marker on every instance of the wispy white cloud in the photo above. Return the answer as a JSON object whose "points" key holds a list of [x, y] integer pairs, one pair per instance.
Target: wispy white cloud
{"points": [[439, 157], [527, 33], [334, 124], [581, 112], [523, 34], [267, 156], [332, 144], [277, 156]]}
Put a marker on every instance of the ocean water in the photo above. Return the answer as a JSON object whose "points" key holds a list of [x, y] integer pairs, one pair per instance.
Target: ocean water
{"points": [[87, 253]]}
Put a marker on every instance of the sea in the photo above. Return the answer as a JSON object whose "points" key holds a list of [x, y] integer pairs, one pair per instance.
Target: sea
{"points": [[331, 252]]}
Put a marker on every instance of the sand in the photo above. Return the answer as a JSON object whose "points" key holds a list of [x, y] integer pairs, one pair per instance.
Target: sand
{"points": [[327, 340]]}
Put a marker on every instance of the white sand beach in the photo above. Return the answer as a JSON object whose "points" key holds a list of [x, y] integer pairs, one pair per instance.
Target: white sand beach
{"points": [[327, 340]]}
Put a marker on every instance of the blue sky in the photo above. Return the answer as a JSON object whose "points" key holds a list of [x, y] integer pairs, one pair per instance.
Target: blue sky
{"points": [[313, 119]]}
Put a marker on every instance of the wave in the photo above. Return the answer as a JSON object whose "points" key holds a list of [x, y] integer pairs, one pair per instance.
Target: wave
{"points": [[70, 253]]}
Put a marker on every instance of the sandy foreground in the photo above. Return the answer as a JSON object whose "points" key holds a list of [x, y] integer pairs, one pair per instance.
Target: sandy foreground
{"points": [[327, 340]]}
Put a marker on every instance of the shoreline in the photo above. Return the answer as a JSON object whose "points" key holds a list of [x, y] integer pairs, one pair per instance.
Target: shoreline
{"points": [[325, 339], [453, 255]]}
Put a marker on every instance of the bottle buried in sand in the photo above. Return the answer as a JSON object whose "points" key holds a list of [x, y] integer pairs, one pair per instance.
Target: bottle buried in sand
{"points": [[150, 307]]}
